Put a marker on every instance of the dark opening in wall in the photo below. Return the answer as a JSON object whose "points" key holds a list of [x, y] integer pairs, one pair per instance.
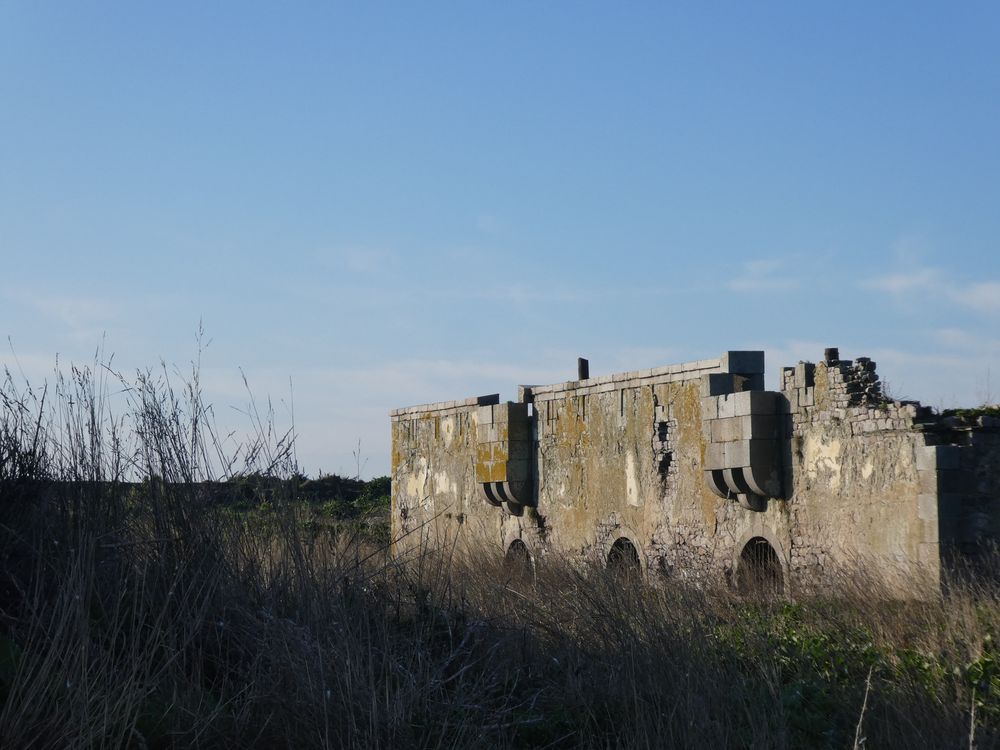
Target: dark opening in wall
{"points": [[517, 562], [661, 431], [623, 559], [759, 572], [661, 450]]}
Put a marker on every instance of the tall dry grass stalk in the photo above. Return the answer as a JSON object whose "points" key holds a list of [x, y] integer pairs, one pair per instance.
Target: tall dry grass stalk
{"points": [[138, 610]]}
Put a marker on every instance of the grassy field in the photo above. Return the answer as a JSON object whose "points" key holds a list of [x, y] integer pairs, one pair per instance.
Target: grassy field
{"points": [[155, 595]]}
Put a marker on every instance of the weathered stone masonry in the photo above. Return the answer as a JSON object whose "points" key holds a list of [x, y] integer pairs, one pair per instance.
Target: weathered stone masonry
{"points": [[696, 465]]}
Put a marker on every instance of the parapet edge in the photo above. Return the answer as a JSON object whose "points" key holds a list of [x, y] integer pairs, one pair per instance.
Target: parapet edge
{"points": [[440, 406], [653, 375]]}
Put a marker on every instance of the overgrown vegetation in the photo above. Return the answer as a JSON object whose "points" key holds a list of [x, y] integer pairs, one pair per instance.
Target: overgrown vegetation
{"points": [[139, 610], [972, 414]]}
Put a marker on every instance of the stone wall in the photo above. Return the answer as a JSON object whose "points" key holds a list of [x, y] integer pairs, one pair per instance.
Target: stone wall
{"points": [[434, 484], [857, 475], [691, 462]]}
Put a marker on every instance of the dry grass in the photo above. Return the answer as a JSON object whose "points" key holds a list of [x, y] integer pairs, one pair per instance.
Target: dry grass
{"points": [[138, 612]]}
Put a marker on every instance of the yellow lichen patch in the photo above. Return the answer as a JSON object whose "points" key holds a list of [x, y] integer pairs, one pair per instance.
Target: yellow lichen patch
{"points": [[691, 445], [398, 440], [570, 425], [499, 452], [484, 453]]}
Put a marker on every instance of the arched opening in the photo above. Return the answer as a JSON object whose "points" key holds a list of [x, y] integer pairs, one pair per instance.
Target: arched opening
{"points": [[759, 572], [517, 561], [623, 559]]}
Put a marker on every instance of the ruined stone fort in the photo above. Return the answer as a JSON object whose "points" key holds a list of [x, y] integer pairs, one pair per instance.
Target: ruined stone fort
{"points": [[696, 471]]}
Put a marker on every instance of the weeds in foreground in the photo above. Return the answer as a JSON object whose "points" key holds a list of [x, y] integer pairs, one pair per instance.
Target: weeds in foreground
{"points": [[139, 612]]}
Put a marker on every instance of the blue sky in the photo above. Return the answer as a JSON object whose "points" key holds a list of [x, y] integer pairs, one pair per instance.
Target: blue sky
{"points": [[374, 205]]}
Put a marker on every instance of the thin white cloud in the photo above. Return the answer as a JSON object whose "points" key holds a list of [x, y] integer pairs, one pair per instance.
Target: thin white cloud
{"points": [[84, 319], [954, 338], [762, 275], [75, 311], [982, 296], [905, 286], [959, 339], [905, 282]]}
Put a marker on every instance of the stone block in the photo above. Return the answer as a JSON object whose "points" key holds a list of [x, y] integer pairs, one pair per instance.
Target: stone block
{"points": [[929, 554], [715, 456], [955, 481], [807, 397], [927, 479], [726, 406], [754, 402], [487, 433], [805, 375], [927, 506], [950, 505], [726, 430], [519, 429], [490, 471], [764, 453], [716, 384], [939, 457], [949, 457], [973, 527], [736, 482], [737, 453], [709, 408], [716, 482], [764, 477], [518, 470], [485, 415], [519, 448], [757, 426], [743, 362], [706, 429]]}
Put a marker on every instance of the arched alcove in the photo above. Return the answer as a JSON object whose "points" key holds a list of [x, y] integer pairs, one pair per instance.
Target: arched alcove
{"points": [[623, 559], [517, 561], [759, 572]]}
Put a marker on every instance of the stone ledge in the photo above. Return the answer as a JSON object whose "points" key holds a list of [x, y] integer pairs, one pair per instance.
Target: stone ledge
{"points": [[440, 406]]}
